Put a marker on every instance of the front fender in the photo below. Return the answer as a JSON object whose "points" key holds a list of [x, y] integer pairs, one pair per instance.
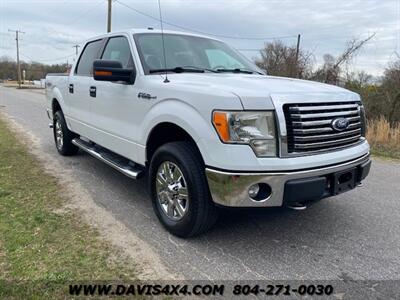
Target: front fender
{"points": [[183, 115]]}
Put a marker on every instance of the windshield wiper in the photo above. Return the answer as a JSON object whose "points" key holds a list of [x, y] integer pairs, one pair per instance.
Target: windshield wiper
{"points": [[192, 69], [178, 70], [236, 70], [200, 68]]}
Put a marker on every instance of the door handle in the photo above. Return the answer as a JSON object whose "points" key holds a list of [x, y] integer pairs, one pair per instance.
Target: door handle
{"points": [[92, 91], [71, 88]]}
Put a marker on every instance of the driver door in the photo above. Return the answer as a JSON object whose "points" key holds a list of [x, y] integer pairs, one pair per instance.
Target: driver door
{"points": [[115, 106]]}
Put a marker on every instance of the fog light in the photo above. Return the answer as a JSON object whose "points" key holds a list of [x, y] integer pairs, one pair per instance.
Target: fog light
{"points": [[260, 192], [253, 190]]}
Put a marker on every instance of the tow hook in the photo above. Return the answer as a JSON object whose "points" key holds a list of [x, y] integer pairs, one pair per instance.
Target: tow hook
{"points": [[360, 184]]}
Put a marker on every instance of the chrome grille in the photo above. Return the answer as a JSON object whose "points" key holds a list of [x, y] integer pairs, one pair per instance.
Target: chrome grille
{"points": [[309, 126]]}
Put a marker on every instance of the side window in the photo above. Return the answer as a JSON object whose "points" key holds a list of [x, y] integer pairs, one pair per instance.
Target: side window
{"points": [[89, 54], [118, 48]]}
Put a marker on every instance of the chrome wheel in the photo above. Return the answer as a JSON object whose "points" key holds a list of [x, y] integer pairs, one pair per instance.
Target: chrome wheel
{"points": [[172, 191], [59, 135]]}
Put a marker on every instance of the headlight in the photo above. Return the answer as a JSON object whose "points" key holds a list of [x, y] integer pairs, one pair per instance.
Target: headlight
{"points": [[254, 128]]}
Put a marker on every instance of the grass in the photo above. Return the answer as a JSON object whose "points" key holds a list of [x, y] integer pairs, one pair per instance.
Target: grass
{"points": [[384, 138], [41, 249]]}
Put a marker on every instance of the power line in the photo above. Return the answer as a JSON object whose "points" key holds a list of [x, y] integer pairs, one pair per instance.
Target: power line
{"points": [[203, 32], [86, 12], [47, 60], [73, 21], [59, 58], [78, 18]]}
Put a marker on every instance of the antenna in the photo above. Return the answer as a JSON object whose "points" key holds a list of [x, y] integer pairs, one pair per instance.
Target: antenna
{"points": [[163, 43]]}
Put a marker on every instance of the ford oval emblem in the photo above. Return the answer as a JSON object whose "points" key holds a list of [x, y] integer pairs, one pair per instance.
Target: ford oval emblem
{"points": [[340, 124]]}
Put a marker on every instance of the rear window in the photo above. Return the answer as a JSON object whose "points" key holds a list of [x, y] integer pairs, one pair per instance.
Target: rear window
{"points": [[89, 54]]}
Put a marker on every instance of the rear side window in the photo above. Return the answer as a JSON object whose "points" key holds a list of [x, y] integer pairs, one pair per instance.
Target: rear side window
{"points": [[89, 54], [118, 48]]}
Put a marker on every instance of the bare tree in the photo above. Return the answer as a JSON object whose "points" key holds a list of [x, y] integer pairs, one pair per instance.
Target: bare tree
{"points": [[280, 60], [332, 68], [361, 79]]}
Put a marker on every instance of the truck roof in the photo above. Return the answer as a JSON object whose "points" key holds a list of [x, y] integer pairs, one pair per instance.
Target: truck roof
{"points": [[148, 30]]}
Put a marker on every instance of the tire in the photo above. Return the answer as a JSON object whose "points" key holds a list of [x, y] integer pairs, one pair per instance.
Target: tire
{"points": [[197, 213], [63, 136]]}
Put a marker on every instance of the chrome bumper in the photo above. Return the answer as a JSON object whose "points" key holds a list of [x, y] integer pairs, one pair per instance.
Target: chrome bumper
{"points": [[231, 189]]}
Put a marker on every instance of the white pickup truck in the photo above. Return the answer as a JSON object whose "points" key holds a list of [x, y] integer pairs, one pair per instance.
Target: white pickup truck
{"points": [[208, 127]]}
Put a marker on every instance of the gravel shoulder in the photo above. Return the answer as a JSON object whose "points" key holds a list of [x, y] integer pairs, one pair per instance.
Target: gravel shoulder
{"points": [[130, 250]]}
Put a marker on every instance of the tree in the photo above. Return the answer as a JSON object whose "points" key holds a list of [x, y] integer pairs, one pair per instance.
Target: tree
{"points": [[331, 70], [391, 86], [280, 60], [380, 98]]}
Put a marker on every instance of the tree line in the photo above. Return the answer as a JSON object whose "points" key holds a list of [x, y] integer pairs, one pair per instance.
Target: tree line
{"points": [[381, 96], [33, 70]]}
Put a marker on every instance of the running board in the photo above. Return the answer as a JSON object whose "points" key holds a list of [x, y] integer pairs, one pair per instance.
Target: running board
{"points": [[112, 159]]}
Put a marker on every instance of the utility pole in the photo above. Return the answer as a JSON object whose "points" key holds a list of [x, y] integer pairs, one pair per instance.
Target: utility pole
{"points": [[76, 49], [297, 53], [18, 64], [109, 16]]}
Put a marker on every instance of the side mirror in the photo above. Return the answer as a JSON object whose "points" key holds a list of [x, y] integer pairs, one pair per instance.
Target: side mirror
{"points": [[112, 70]]}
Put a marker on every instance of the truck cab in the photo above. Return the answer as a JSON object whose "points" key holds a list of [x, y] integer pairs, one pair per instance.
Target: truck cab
{"points": [[206, 126]]}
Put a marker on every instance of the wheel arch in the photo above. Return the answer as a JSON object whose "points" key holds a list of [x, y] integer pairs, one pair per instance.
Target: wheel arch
{"points": [[58, 105], [56, 100], [55, 106], [177, 116], [167, 132]]}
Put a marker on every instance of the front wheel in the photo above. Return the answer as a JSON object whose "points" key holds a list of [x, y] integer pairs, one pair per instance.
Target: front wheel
{"points": [[179, 190]]}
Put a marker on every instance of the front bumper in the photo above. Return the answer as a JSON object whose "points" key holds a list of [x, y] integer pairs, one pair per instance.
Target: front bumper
{"points": [[287, 188]]}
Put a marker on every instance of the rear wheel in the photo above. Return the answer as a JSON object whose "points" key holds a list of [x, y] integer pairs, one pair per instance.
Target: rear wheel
{"points": [[179, 190], [63, 136]]}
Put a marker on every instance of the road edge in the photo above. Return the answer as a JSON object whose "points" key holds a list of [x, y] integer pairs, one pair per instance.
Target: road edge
{"points": [[150, 266]]}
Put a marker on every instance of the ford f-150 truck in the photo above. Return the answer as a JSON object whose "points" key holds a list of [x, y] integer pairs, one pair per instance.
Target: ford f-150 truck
{"points": [[206, 125]]}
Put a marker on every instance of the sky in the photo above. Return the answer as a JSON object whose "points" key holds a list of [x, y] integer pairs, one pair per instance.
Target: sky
{"points": [[52, 28]]}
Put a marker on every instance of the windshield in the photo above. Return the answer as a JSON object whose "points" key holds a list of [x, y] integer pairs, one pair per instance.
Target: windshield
{"points": [[185, 52]]}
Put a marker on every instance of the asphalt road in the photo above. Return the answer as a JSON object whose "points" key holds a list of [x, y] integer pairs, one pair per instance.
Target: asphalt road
{"points": [[353, 236]]}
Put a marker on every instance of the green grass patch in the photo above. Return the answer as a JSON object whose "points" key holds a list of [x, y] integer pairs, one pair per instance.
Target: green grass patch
{"points": [[40, 248], [385, 151]]}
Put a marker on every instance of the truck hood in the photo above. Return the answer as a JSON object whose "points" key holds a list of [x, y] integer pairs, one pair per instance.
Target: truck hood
{"points": [[264, 92]]}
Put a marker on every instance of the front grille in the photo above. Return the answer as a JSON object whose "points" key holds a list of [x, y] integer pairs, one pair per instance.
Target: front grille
{"points": [[309, 126]]}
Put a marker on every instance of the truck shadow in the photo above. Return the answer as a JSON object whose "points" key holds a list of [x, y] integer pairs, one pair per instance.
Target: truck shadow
{"points": [[272, 242], [258, 225], [320, 219]]}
